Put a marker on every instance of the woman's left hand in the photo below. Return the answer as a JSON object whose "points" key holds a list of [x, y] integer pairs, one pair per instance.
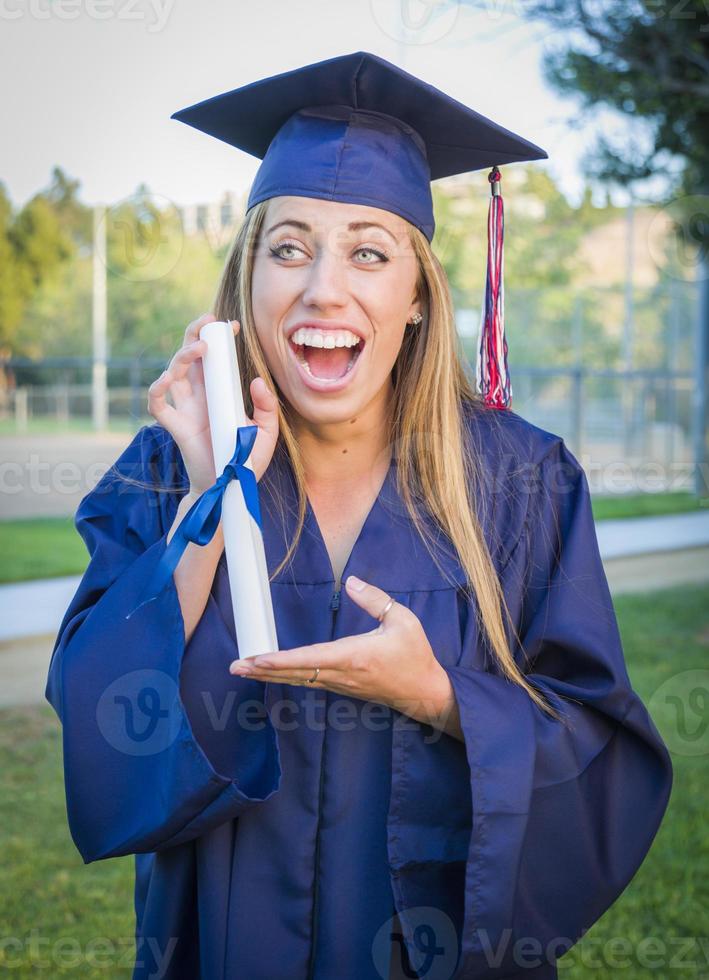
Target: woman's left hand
{"points": [[392, 664]]}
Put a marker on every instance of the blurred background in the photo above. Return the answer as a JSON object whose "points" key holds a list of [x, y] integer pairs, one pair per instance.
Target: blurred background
{"points": [[114, 225]]}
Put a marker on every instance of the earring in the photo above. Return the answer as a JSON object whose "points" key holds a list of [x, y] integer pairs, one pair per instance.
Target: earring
{"points": [[415, 319]]}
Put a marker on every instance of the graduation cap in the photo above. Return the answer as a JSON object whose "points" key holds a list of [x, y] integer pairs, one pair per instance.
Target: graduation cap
{"points": [[360, 130]]}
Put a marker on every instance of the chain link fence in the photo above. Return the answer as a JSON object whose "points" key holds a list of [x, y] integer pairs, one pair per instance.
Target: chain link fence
{"points": [[611, 373]]}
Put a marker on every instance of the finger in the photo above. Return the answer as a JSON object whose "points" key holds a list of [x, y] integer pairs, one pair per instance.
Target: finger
{"points": [[192, 331], [265, 406], [174, 379], [187, 353], [158, 406], [374, 600], [333, 656], [324, 678], [182, 366]]}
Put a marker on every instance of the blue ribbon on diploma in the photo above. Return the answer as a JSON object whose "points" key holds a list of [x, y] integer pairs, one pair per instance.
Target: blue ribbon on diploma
{"points": [[202, 519]]}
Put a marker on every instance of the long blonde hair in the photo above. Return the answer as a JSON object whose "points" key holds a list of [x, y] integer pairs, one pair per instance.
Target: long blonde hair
{"points": [[435, 467]]}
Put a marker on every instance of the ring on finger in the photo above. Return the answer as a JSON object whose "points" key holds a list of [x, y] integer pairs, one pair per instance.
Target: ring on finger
{"points": [[385, 610]]}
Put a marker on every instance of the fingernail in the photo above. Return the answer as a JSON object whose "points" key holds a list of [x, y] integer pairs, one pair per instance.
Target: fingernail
{"points": [[355, 583]]}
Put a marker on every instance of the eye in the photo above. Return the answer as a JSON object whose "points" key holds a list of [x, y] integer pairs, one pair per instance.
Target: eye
{"points": [[277, 249], [382, 256]]}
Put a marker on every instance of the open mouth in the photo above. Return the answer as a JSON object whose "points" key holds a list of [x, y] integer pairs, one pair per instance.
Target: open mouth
{"points": [[327, 363]]}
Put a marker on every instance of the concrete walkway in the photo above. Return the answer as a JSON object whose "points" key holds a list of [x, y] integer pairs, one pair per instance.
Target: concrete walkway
{"points": [[643, 535], [639, 554], [34, 608]]}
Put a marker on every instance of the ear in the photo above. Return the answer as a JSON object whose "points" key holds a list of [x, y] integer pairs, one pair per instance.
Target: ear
{"points": [[415, 307]]}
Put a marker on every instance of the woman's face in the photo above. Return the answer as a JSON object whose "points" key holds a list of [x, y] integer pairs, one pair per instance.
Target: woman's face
{"points": [[333, 270]]}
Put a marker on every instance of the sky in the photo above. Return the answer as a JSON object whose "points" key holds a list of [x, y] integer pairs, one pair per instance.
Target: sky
{"points": [[89, 85]]}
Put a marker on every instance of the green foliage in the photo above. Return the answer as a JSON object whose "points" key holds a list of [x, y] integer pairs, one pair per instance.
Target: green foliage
{"points": [[75, 217], [35, 244], [647, 59], [543, 232], [15, 281], [157, 279]]}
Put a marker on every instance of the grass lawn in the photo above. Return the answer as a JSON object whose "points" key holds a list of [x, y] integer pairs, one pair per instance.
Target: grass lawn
{"points": [[49, 547], [44, 547], [48, 426], [646, 504], [50, 894]]}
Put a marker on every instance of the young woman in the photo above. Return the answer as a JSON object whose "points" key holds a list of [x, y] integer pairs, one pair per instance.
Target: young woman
{"points": [[444, 771]]}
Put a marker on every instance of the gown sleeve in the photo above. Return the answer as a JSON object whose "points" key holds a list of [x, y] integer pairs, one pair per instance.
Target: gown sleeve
{"points": [[143, 773], [563, 813]]}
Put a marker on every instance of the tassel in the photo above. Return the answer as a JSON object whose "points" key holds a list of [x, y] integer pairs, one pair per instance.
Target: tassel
{"points": [[493, 380]]}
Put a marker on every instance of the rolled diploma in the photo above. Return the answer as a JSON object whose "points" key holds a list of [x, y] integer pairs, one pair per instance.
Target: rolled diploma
{"points": [[243, 540]]}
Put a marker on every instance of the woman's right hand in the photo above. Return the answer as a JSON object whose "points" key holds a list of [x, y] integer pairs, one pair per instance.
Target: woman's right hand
{"points": [[188, 420]]}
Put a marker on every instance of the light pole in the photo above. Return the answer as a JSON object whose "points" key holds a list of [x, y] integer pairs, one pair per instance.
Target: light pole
{"points": [[99, 391]]}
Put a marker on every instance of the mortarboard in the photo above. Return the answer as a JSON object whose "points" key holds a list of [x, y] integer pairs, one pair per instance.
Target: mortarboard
{"points": [[360, 130]]}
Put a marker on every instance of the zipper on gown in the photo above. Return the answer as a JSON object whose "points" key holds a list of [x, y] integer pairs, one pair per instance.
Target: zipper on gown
{"points": [[334, 606]]}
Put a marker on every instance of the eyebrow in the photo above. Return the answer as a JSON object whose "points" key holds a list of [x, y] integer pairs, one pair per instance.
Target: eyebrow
{"points": [[352, 226]]}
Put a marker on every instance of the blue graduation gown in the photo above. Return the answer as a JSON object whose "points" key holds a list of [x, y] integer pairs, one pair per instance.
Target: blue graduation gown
{"points": [[277, 829]]}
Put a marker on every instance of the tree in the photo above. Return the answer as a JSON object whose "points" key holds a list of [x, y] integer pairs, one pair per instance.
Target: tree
{"points": [[15, 281], [157, 281], [34, 242], [649, 61], [543, 232], [74, 217]]}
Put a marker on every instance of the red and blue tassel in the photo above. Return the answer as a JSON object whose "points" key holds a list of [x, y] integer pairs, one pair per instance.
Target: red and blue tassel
{"points": [[493, 380]]}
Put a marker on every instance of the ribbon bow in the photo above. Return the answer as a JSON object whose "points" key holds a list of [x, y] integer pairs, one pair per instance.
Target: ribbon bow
{"points": [[202, 519]]}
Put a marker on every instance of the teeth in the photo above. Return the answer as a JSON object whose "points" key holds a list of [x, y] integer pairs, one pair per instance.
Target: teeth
{"points": [[304, 362], [315, 338]]}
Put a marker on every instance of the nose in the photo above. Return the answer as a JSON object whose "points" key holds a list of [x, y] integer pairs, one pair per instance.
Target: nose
{"points": [[326, 284]]}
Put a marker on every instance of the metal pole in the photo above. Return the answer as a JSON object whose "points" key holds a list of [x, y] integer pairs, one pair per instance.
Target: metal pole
{"points": [[99, 394], [21, 408], [701, 367], [577, 330], [577, 413], [673, 366], [578, 374], [136, 405], [627, 393]]}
